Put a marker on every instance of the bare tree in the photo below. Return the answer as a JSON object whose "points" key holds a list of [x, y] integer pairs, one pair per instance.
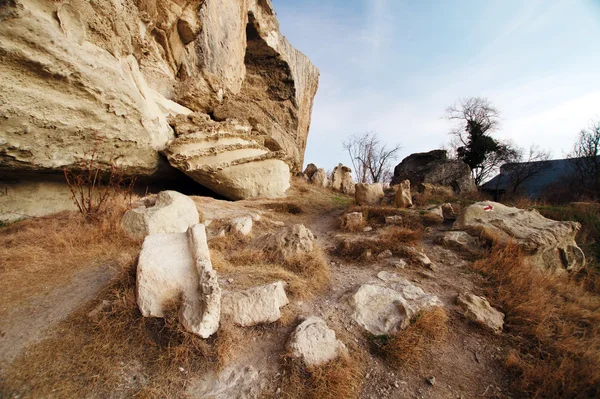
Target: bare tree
{"points": [[372, 161], [585, 160], [527, 165], [475, 120]]}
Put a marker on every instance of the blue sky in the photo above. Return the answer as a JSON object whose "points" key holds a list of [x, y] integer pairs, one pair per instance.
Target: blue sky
{"points": [[393, 67]]}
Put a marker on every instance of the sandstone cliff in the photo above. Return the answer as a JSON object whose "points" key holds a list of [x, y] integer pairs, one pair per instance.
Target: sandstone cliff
{"points": [[73, 72]]}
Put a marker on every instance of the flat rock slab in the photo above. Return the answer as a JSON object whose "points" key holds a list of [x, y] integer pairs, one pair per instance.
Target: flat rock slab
{"points": [[479, 310], [256, 305], [314, 342]]}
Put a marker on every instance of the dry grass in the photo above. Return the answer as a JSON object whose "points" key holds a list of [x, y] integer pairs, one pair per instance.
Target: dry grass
{"points": [[394, 238], [554, 323], [41, 253], [118, 353], [407, 347], [306, 274], [285, 207]]}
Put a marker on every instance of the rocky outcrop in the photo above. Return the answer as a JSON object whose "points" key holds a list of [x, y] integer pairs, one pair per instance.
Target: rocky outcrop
{"points": [[368, 194], [384, 309], [254, 306], [403, 197], [173, 267], [314, 343], [434, 167], [548, 244], [106, 77], [168, 212], [479, 310], [225, 157], [341, 179], [319, 178]]}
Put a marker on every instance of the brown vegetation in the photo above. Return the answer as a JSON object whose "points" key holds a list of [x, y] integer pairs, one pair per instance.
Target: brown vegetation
{"points": [[407, 347], [395, 238], [117, 353], [41, 253], [554, 324]]}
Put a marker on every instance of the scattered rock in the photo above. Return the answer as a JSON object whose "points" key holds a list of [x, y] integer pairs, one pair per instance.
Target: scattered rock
{"points": [[314, 342], [430, 380], [342, 179], [419, 257], [434, 167], [547, 244], [293, 240], [241, 225], [385, 254], [169, 212], [461, 241], [352, 221], [256, 305], [403, 198], [479, 310], [368, 194], [367, 229], [173, 267], [448, 212], [320, 179], [399, 263], [393, 219], [434, 214], [310, 170], [386, 309]]}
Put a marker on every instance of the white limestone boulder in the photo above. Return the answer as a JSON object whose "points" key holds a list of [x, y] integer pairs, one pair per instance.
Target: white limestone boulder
{"points": [[288, 242], [314, 342], [368, 194], [387, 308], [174, 267], [479, 310], [352, 220], [403, 198], [258, 305], [241, 225], [319, 178], [170, 212], [547, 244], [342, 179]]}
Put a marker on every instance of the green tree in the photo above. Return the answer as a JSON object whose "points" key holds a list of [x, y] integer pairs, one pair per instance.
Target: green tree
{"points": [[476, 119]]}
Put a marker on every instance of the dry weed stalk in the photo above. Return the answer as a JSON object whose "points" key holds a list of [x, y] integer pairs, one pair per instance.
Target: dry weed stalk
{"points": [[555, 324], [93, 187]]}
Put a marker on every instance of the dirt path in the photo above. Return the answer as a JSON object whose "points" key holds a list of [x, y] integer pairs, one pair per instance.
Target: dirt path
{"points": [[34, 320]]}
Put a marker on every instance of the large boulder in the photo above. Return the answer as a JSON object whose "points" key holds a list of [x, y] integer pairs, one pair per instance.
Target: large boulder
{"points": [[479, 310], [434, 167], [368, 194], [168, 212], [177, 267], [341, 179], [387, 308], [548, 244], [314, 343], [256, 305], [310, 170], [105, 77]]}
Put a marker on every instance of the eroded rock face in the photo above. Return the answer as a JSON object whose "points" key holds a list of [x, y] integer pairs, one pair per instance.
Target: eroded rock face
{"points": [[403, 198], [368, 194], [342, 179], [548, 244], [173, 267], [314, 342], [254, 306], [479, 310], [434, 167], [168, 212], [384, 309], [109, 75]]}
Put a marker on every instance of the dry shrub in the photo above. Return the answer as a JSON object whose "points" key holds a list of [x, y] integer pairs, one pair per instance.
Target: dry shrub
{"points": [[406, 347], [39, 254], [118, 353], [285, 207], [395, 239], [339, 378], [306, 274], [432, 198], [375, 215], [555, 325]]}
